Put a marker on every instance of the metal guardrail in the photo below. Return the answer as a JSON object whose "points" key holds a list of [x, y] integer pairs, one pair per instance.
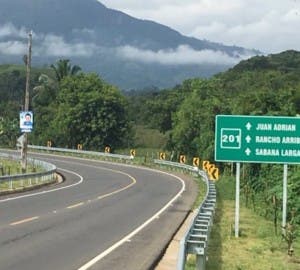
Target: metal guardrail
{"points": [[176, 165], [196, 238], [64, 150], [28, 179]]}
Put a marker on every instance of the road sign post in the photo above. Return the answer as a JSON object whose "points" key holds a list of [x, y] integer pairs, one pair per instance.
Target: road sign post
{"points": [[258, 139], [284, 197], [237, 200]]}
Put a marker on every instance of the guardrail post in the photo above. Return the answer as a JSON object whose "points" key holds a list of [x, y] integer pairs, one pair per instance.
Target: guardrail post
{"points": [[200, 261], [10, 184], [197, 246]]}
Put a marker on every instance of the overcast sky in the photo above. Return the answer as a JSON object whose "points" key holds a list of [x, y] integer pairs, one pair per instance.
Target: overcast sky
{"points": [[270, 26]]}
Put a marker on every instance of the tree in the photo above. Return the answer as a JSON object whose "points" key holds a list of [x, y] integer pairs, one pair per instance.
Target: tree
{"points": [[63, 68], [44, 107], [89, 112], [46, 91], [9, 129], [193, 123]]}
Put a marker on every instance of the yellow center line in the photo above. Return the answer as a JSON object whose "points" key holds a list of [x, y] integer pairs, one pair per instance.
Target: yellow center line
{"points": [[75, 205], [23, 221], [121, 189], [133, 182]]}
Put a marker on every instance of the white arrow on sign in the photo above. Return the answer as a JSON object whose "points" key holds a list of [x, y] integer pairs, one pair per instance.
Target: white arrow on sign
{"points": [[248, 139], [248, 151], [248, 126]]}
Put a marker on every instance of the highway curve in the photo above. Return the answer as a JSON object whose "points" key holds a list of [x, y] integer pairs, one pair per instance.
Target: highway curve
{"points": [[104, 216]]}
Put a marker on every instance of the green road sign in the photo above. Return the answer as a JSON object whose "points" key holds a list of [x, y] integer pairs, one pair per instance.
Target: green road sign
{"points": [[261, 139]]}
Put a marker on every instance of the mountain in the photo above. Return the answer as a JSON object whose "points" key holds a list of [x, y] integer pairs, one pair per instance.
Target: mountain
{"points": [[128, 52]]}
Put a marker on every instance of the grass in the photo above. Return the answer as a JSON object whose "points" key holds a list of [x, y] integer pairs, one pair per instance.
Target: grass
{"points": [[13, 167], [149, 138], [257, 247], [202, 192]]}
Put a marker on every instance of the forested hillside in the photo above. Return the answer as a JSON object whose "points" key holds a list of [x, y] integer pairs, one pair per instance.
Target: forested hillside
{"points": [[264, 85]]}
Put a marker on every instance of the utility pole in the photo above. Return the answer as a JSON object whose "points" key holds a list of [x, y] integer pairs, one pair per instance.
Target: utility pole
{"points": [[26, 107]]}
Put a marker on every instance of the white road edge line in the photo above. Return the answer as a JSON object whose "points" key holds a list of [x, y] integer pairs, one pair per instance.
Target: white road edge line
{"points": [[47, 191], [137, 230]]}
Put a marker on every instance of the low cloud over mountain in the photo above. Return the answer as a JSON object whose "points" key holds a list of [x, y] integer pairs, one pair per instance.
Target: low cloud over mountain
{"points": [[182, 55], [125, 51]]}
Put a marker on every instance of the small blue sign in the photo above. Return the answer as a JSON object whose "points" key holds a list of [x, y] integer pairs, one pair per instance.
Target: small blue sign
{"points": [[26, 121]]}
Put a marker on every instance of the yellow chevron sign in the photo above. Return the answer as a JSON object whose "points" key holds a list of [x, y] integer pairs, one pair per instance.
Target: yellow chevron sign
{"points": [[182, 159], [211, 170], [132, 152], [79, 146], [107, 149], [162, 156], [205, 165], [196, 162], [214, 173]]}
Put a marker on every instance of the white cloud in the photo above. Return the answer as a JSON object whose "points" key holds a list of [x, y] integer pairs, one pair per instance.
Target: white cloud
{"points": [[181, 56], [13, 48], [269, 25], [274, 32], [14, 42], [52, 45], [9, 30]]}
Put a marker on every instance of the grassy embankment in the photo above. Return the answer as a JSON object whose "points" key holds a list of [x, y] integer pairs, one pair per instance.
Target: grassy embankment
{"points": [[257, 248]]}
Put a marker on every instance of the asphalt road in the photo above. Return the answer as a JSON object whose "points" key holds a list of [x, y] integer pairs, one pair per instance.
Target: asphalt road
{"points": [[104, 216]]}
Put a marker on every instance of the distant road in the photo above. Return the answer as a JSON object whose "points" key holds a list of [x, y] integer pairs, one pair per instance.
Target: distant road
{"points": [[89, 217]]}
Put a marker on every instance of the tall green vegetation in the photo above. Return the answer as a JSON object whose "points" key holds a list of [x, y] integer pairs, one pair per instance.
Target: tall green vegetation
{"points": [[70, 107], [12, 89], [258, 86], [89, 112], [63, 68]]}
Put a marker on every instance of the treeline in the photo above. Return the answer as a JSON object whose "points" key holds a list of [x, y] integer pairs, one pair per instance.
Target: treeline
{"points": [[263, 85], [70, 107], [258, 86]]}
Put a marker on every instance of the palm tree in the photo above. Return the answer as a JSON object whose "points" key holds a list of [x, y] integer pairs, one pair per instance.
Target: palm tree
{"points": [[63, 68], [46, 91]]}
